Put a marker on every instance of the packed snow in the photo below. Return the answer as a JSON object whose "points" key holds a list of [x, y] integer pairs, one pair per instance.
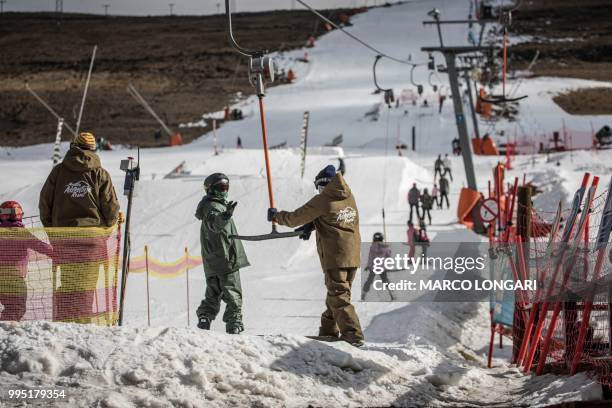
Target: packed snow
{"points": [[417, 354]]}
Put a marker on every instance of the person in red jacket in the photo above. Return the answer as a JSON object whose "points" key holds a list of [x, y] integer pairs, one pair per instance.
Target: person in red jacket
{"points": [[15, 243], [410, 238], [421, 238]]}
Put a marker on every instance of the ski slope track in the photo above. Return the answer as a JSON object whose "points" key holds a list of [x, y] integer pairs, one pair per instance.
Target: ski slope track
{"points": [[416, 354]]}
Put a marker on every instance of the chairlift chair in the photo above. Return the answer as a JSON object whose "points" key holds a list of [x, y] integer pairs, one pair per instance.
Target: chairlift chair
{"points": [[388, 93], [419, 87]]}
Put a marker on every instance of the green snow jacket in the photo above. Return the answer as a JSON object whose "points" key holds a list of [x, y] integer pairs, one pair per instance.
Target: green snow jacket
{"points": [[221, 254]]}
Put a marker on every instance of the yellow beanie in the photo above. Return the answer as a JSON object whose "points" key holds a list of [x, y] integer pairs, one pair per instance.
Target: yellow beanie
{"points": [[86, 140]]}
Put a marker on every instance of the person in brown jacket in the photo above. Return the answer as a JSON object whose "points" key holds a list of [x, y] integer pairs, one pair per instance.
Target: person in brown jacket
{"points": [[78, 193], [333, 214]]}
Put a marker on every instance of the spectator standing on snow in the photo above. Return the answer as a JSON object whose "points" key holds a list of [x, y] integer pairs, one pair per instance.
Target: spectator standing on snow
{"points": [[426, 205], [238, 143], [410, 239], [422, 239], [414, 198], [438, 166], [456, 146], [15, 242], [79, 193], [333, 214], [444, 190], [222, 256], [378, 249], [435, 194], [448, 166]]}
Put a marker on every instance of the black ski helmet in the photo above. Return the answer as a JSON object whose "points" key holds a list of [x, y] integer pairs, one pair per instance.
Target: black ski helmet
{"points": [[378, 237], [214, 179]]}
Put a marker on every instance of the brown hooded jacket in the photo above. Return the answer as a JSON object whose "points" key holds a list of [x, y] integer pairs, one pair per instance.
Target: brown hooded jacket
{"points": [[336, 219], [78, 193]]}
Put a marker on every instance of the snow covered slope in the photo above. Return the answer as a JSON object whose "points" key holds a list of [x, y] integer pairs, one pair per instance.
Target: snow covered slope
{"points": [[418, 353]]}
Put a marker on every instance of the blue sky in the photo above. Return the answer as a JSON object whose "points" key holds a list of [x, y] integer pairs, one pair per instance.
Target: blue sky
{"points": [[156, 7]]}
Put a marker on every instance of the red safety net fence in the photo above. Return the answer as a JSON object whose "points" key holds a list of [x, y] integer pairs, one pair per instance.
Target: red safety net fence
{"points": [[564, 325], [59, 274], [562, 140]]}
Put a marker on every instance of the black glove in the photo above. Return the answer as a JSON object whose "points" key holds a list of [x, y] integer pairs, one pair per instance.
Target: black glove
{"points": [[272, 213], [229, 211], [305, 230]]}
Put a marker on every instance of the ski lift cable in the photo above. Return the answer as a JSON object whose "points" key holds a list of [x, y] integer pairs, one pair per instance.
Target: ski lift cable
{"points": [[354, 37]]}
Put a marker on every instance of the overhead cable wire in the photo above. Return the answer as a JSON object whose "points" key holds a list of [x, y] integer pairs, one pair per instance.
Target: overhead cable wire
{"points": [[354, 37]]}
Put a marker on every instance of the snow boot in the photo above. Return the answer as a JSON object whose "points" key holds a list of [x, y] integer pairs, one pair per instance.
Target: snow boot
{"points": [[234, 328], [355, 343], [204, 323]]}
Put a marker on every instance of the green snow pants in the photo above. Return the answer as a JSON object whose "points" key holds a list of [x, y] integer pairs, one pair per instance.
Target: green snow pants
{"points": [[226, 288]]}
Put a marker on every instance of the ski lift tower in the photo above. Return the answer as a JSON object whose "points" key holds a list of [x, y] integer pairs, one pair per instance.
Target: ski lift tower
{"points": [[450, 54]]}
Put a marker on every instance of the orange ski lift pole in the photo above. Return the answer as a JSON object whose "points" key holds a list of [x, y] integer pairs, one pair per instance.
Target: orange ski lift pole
{"points": [[261, 70], [503, 98], [388, 93]]}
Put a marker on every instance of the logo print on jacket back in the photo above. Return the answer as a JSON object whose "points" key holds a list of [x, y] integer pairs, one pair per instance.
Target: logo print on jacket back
{"points": [[78, 189], [347, 215]]}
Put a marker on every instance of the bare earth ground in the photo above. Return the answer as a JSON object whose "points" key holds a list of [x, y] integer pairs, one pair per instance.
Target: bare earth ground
{"points": [[586, 101], [183, 66], [574, 38]]}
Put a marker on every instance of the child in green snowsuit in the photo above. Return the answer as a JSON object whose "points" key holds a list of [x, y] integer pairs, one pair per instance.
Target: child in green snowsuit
{"points": [[222, 256]]}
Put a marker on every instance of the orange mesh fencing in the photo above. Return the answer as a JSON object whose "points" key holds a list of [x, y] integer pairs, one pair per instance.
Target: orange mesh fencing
{"points": [[579, 291], [59, 274], [164, 270]]}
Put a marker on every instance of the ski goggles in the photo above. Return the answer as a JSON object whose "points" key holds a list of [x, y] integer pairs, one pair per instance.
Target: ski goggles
{"points": [[221, 185], [11, 212], [322, 182]]}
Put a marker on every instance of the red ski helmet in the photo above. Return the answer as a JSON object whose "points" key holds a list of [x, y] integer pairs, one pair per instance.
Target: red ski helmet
{"points": [[11, 211]]}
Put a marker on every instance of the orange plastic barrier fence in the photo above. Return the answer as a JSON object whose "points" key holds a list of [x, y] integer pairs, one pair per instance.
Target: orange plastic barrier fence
{"points": [[485, 147], [59, 274], [164, 270], [176, 139], [468, 199], [489, 148]]}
